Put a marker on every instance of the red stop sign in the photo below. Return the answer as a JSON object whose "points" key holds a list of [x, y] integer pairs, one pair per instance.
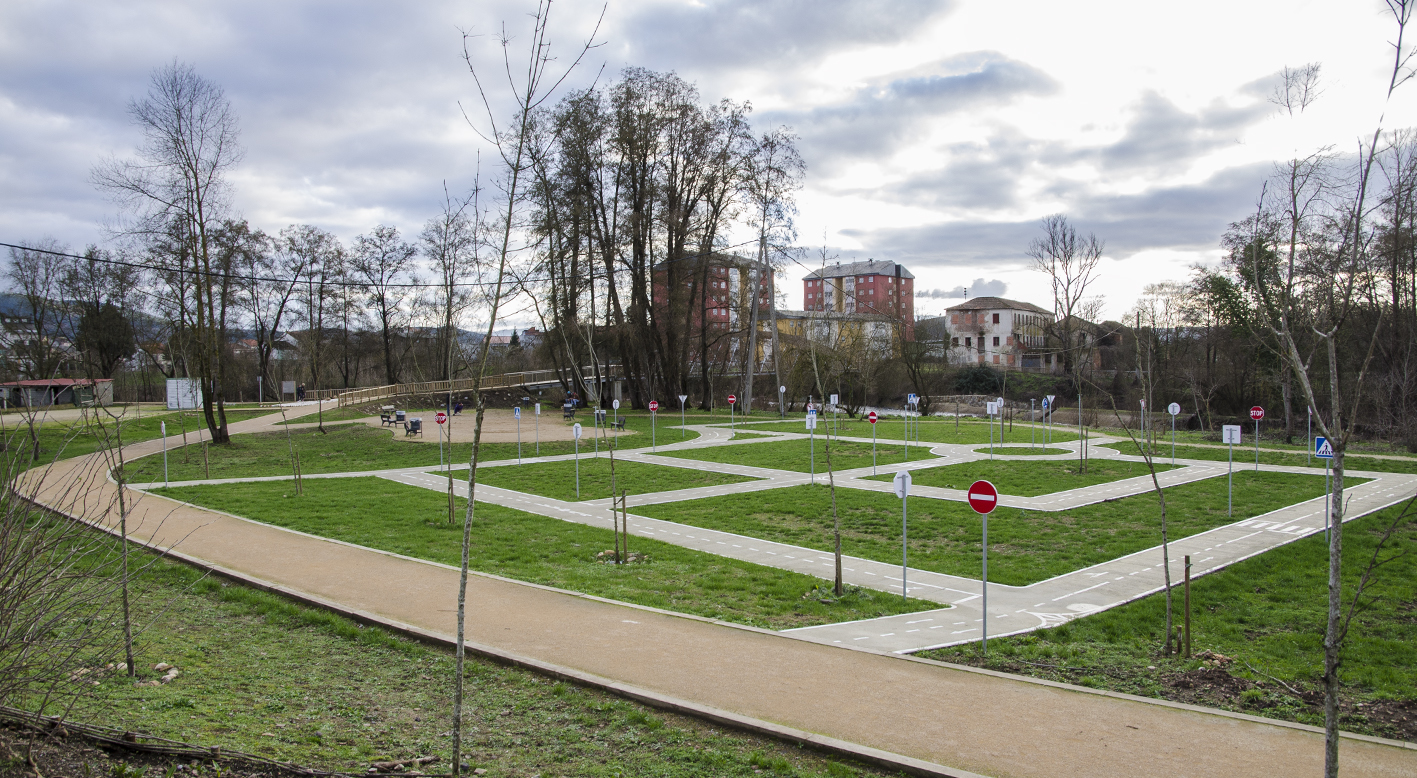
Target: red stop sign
{"points": [[732, 399], [653, 406], [1257, 413], [983, 497], [440, 417], [871, 417]]}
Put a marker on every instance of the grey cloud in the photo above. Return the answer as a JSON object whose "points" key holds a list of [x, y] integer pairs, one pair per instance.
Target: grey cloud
{"points": [[879, 117], [979, 288], [753, 34], [1163, 138], [1189, 217]]}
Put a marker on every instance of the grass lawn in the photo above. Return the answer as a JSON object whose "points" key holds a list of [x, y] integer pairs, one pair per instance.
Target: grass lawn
{"points": [[557, 480], [1269, 614], [341, 449], [263, 675], [1246, 455], [65, 439], [349, 413], [408, 520], [891, 428], [1024, 451], [1024, 546], [1026, 479], [797, 455]]}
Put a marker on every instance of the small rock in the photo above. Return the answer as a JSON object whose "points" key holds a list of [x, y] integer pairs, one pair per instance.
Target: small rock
{"points": [[480, 771], [161, 667], [1151, 667]]}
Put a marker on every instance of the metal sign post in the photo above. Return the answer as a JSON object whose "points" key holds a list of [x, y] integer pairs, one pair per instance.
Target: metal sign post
{"points": [[1144, 441], [1048, 429], [902, 490], [1324, 450], [517, 414], [812, 441], [1257, 413], [682, 431], [536, 424], [1309, 434], [872, 418], [164, 452], [653, 412], [835, 429], [1033, 429], [576, 433], [1232, 434], [1175, 410], [782, 402], [905, 417], [439, 418], [989, 408], [732, 401], [984, 498], [615, 404]]}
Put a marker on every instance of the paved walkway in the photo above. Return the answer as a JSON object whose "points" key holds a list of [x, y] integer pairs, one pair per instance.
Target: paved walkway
{"points": [[975, 721]]}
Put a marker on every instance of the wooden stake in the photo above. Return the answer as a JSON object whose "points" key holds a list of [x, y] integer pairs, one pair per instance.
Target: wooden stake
{"points": [[1187, 637], [625, 522]]}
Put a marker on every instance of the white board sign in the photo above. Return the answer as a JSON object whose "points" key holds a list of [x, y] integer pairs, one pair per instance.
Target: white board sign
{"points": [[576, 430], [834, 401], [183, 394], [1174, 409], [991, 408], [287, 387], [902, 484], [812, 419], [1231, 433]]}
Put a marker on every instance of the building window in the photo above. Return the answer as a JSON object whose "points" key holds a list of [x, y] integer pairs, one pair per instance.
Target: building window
{"points": [[954, 341], [996, 320], [1009, 341], [996, 359], [969, 342], [996, 341]]}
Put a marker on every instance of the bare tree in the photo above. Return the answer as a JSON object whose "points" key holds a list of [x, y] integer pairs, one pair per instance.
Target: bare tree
{"points": [[450, 243], [775, 172], [381, 260], [1070, 262], [323, 259], [1327, 286], [38, 275], [531, 89], [177, 190]]}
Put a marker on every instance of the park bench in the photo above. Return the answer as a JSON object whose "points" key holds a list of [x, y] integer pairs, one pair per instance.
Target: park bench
{"points": [[386, 416], [568, 411], [619, 423], [413, 427]]}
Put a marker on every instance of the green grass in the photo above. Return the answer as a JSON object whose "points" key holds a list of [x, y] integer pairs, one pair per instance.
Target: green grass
{"points": [[1026, 479], [1269, 613], [335, 415], [891, 428], [408, 520], [267, 676], [1246, 455], [797, 455], [1024, 546], [1025, 451], [64, 439], [341, 449], [557, 480]]}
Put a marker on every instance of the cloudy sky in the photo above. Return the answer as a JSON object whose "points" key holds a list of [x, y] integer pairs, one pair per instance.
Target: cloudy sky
{"points": [[936, 134]]}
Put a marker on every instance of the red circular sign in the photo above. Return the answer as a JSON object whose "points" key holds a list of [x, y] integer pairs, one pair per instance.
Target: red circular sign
{"points": [[440, 417], [871, 417], [653, 406], [1257, 413], [983, 497], [732, 399]]}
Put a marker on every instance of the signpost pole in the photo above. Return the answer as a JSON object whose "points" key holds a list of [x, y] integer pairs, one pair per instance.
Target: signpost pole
{"points": [[440, 445], [985, 580], [1173, 438], [164, 452], [1257, 445], [1309, 435], [653, 444], [984, 498], [902, 490], [1328, 492], [576, 434], [812, 443], [519, 435], [1033, 427], [537, 423], [873, 448], [682, 431], [905, 417], [989, 411], [782, 402], [1230, 487]]}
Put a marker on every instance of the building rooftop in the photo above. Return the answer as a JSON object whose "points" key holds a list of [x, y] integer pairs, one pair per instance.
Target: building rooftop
{"points": [[871, 267], [996, 303]]}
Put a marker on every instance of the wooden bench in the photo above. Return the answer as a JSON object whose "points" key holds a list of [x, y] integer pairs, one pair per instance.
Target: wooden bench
{"points": [[619, 423], [386, 419], [568, 412], [413, 427]]}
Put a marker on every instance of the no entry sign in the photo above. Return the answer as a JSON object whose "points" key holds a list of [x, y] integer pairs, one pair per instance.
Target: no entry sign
{"points": [[1257, 413], [871, 417], [654, 406], [732, 398], [440, 417], [983, 497]]}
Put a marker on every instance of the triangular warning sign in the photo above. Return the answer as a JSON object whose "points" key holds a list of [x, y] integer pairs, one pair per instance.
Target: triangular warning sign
{"points": [[1322, 448]]}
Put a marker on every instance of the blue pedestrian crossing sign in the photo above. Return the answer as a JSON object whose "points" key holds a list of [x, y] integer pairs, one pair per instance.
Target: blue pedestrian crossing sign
{"points": [[1322, 448]]}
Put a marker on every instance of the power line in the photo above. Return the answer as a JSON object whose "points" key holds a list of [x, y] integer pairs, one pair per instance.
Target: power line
{"points": [[335, 283]]}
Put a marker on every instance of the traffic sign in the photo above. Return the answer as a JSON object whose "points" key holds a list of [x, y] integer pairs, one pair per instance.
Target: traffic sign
{"points": [[1174, 409], [1257, 413], [1045, 403], [1000, 401], [1231, 433], [912, 399], [516, 414], [834, 400], [732, 399], [1322, 448], [871, 417], [682, 398], [615, 404], [440, 417], [654, 406], [576, 430], [812, 418], [902, 484], [1049, 398], [991, 408], [782, 390], [1143, 404], [983, 497]]}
